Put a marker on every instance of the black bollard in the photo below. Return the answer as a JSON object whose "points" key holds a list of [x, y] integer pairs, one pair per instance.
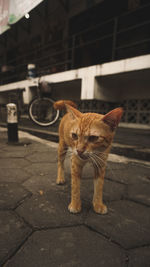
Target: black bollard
{"points": [[12, 123]]}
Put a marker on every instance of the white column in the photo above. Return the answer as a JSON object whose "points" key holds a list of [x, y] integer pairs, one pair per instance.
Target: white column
{"points": [[27, 96], [88, 83]]}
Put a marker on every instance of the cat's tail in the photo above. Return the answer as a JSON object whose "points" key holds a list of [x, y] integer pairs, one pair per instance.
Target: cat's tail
{"points": [[61, 104]]}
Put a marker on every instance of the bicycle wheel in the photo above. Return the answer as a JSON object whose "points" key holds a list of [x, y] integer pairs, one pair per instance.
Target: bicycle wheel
{"points": [[41, 111]]}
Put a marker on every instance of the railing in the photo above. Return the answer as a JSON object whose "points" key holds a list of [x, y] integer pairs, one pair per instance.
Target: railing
{"points": [[111, 40]]}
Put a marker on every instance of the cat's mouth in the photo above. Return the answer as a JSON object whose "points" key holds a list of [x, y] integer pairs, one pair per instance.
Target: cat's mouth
{"points": [[81, 154]]}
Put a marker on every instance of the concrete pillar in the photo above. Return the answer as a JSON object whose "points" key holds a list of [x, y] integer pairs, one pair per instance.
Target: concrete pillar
{"points": [[88, 83]]}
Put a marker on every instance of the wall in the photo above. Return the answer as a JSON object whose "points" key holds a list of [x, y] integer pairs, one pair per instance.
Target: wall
{"points": [[123, 86], [4, 98], [67, 90]]}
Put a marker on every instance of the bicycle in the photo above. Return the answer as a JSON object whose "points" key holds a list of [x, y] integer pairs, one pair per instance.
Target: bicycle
{"points": [[41, 110]]}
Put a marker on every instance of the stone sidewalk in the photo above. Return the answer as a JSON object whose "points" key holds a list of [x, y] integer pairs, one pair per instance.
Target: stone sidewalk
{"points": [[36, 229]]}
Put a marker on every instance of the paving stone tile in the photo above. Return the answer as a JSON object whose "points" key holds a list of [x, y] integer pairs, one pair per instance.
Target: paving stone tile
{"points": [[10, 163], [68, 247], [14, 154], [46, 156], [127, 173], [19, 147], [121, 176], [3, 140], [13, 232], [13, 175], [27, 147], [141, 172], [116, 165], [2, 146], [38, 147], [42, 211], [11, 194], [112, 191], [124, 223], [139, 257], [44, 183], [139, 192], [41, 168]]}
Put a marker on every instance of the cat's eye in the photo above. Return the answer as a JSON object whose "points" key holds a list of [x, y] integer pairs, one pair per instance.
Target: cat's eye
{"points": [[93, 138], [74, 136]]}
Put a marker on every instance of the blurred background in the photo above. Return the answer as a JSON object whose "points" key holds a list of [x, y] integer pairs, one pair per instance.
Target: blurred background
{"points": [[96, 52]]}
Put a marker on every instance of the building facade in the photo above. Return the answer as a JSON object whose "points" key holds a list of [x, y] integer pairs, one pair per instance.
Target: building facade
{"points": [[93, 51]]}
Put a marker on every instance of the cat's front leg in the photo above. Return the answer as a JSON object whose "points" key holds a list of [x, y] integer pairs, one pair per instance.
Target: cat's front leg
{"points": [[62, 150], [76, 171], [98, 205]]}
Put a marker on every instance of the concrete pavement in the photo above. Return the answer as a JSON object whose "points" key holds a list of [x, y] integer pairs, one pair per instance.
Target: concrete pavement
{"points": [[131, 140], [36, 228]]}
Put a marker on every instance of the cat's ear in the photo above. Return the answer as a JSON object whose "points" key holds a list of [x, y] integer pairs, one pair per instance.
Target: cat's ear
{"points": [[74, 113], [113, 117]]}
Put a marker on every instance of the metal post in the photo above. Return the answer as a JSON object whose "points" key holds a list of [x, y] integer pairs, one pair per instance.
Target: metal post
{"points": [[114, 38], [73, 50], [12, 123]]}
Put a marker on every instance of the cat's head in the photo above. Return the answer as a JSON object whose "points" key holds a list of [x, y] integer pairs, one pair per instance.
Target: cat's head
{"points": [[92, 132]]}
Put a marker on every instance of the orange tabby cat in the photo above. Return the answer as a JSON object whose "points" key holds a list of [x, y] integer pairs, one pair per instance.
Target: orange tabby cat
{"points": [[89, 136]]}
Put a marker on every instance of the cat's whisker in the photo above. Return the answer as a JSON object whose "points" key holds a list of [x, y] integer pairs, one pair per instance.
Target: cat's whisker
{"points": [[99, 157], [103, 158], [101, 154], [99, 161], [96, 164], [108, 167], [95, 161]]}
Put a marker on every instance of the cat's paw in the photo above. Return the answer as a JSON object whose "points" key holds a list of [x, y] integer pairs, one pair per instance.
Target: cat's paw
{"points": [[74, 207], [60, 181], [100, 208]]}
